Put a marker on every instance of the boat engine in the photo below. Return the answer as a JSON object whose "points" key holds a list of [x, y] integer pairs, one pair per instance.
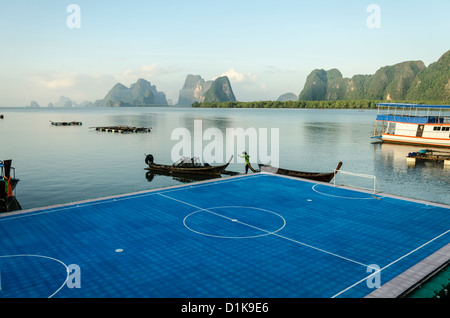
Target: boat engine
{"points": [[149, 159]]}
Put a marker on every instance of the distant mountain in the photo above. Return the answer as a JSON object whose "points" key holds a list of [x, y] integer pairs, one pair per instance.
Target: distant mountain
{"points": [[287, 97], [193, 90], [34, 104], [141, 93], [65, 102], [196, 89], [86, 103], [315, 86], [410, 80], [220, 91], [433, 82]]}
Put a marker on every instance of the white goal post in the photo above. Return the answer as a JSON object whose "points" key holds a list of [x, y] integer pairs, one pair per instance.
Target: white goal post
{"points": [[357, 180]]}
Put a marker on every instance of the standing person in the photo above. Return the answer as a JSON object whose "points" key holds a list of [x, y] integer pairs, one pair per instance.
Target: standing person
{"points": [[247, 161]]}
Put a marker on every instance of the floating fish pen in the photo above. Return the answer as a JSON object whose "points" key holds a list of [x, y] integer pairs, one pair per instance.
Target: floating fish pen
{"points": [[65, 123], [123, 129]]}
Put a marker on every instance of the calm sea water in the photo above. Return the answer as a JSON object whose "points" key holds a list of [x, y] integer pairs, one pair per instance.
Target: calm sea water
{"points": [[59, 164]]}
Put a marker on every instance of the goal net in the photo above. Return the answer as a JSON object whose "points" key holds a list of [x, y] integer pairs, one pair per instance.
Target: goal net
{"points": [[357, 180]]}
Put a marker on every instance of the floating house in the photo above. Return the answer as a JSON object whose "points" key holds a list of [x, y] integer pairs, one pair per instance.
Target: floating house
{"points": [[414, 124]]}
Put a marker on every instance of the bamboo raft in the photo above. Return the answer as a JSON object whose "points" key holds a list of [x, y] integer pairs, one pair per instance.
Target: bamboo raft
{"points": [[123, 129]]}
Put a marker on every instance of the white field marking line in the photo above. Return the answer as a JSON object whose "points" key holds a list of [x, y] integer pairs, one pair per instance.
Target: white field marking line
{"points": [[47, 257], [212, 182], [273, 233], [390, 264], [72, 206], [321, 250], [197, 207], [114, 199], [339, 196], [380, 196]]}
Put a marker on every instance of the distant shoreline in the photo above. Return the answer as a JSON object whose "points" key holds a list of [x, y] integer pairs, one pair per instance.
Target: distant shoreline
{"points": [[337, 104], [90, 107]]}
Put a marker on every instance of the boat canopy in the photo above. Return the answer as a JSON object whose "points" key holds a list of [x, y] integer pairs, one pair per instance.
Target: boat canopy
{"points": [[413, 105], [411, 119]]}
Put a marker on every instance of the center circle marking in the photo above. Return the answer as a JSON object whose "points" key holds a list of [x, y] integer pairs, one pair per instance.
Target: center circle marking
{"points": [[221, 216]]}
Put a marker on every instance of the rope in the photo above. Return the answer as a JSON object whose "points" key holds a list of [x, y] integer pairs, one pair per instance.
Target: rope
{"points": [[8, 187]]}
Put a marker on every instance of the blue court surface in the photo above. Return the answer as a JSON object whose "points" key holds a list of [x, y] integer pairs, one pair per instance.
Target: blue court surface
{"points": [[253, 236]]}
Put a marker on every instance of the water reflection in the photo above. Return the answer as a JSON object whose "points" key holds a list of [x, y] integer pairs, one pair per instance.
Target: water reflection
{"points": [[394, 156], [182, 178], [423, 180], [186, 178]]}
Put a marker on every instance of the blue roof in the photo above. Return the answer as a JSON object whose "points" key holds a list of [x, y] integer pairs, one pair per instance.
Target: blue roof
{"points": [[413, 105], [404, 119]]}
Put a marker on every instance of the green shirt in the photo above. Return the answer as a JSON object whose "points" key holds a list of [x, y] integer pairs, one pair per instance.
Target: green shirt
{"points": [[247, 158]]}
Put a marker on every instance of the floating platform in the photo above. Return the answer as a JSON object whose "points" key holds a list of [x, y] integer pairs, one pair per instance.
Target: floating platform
{"points": [[66, 123], [123, 129], [429, 155], [249, 236]]}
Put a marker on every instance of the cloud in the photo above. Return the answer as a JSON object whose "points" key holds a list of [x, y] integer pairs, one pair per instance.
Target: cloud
{"points": [[247, 86], [54, 81], [277, 70], [148, 72], [235, 76], [48, 87]]}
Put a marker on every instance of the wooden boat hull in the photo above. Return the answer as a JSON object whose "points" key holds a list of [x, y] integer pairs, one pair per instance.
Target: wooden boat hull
{"points": [[194, 170], [316, 176]]}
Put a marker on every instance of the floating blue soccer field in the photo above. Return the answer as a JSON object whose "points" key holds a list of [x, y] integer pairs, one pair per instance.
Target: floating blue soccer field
{"points": [[252, 236]]}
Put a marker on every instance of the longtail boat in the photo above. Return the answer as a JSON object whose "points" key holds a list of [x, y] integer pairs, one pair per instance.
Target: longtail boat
{"points": [[8, 201], [186, 166], [317, 176]]}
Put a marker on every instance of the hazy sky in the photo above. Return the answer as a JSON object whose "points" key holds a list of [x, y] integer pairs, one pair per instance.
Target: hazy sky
{"points": [[267, 48]]}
